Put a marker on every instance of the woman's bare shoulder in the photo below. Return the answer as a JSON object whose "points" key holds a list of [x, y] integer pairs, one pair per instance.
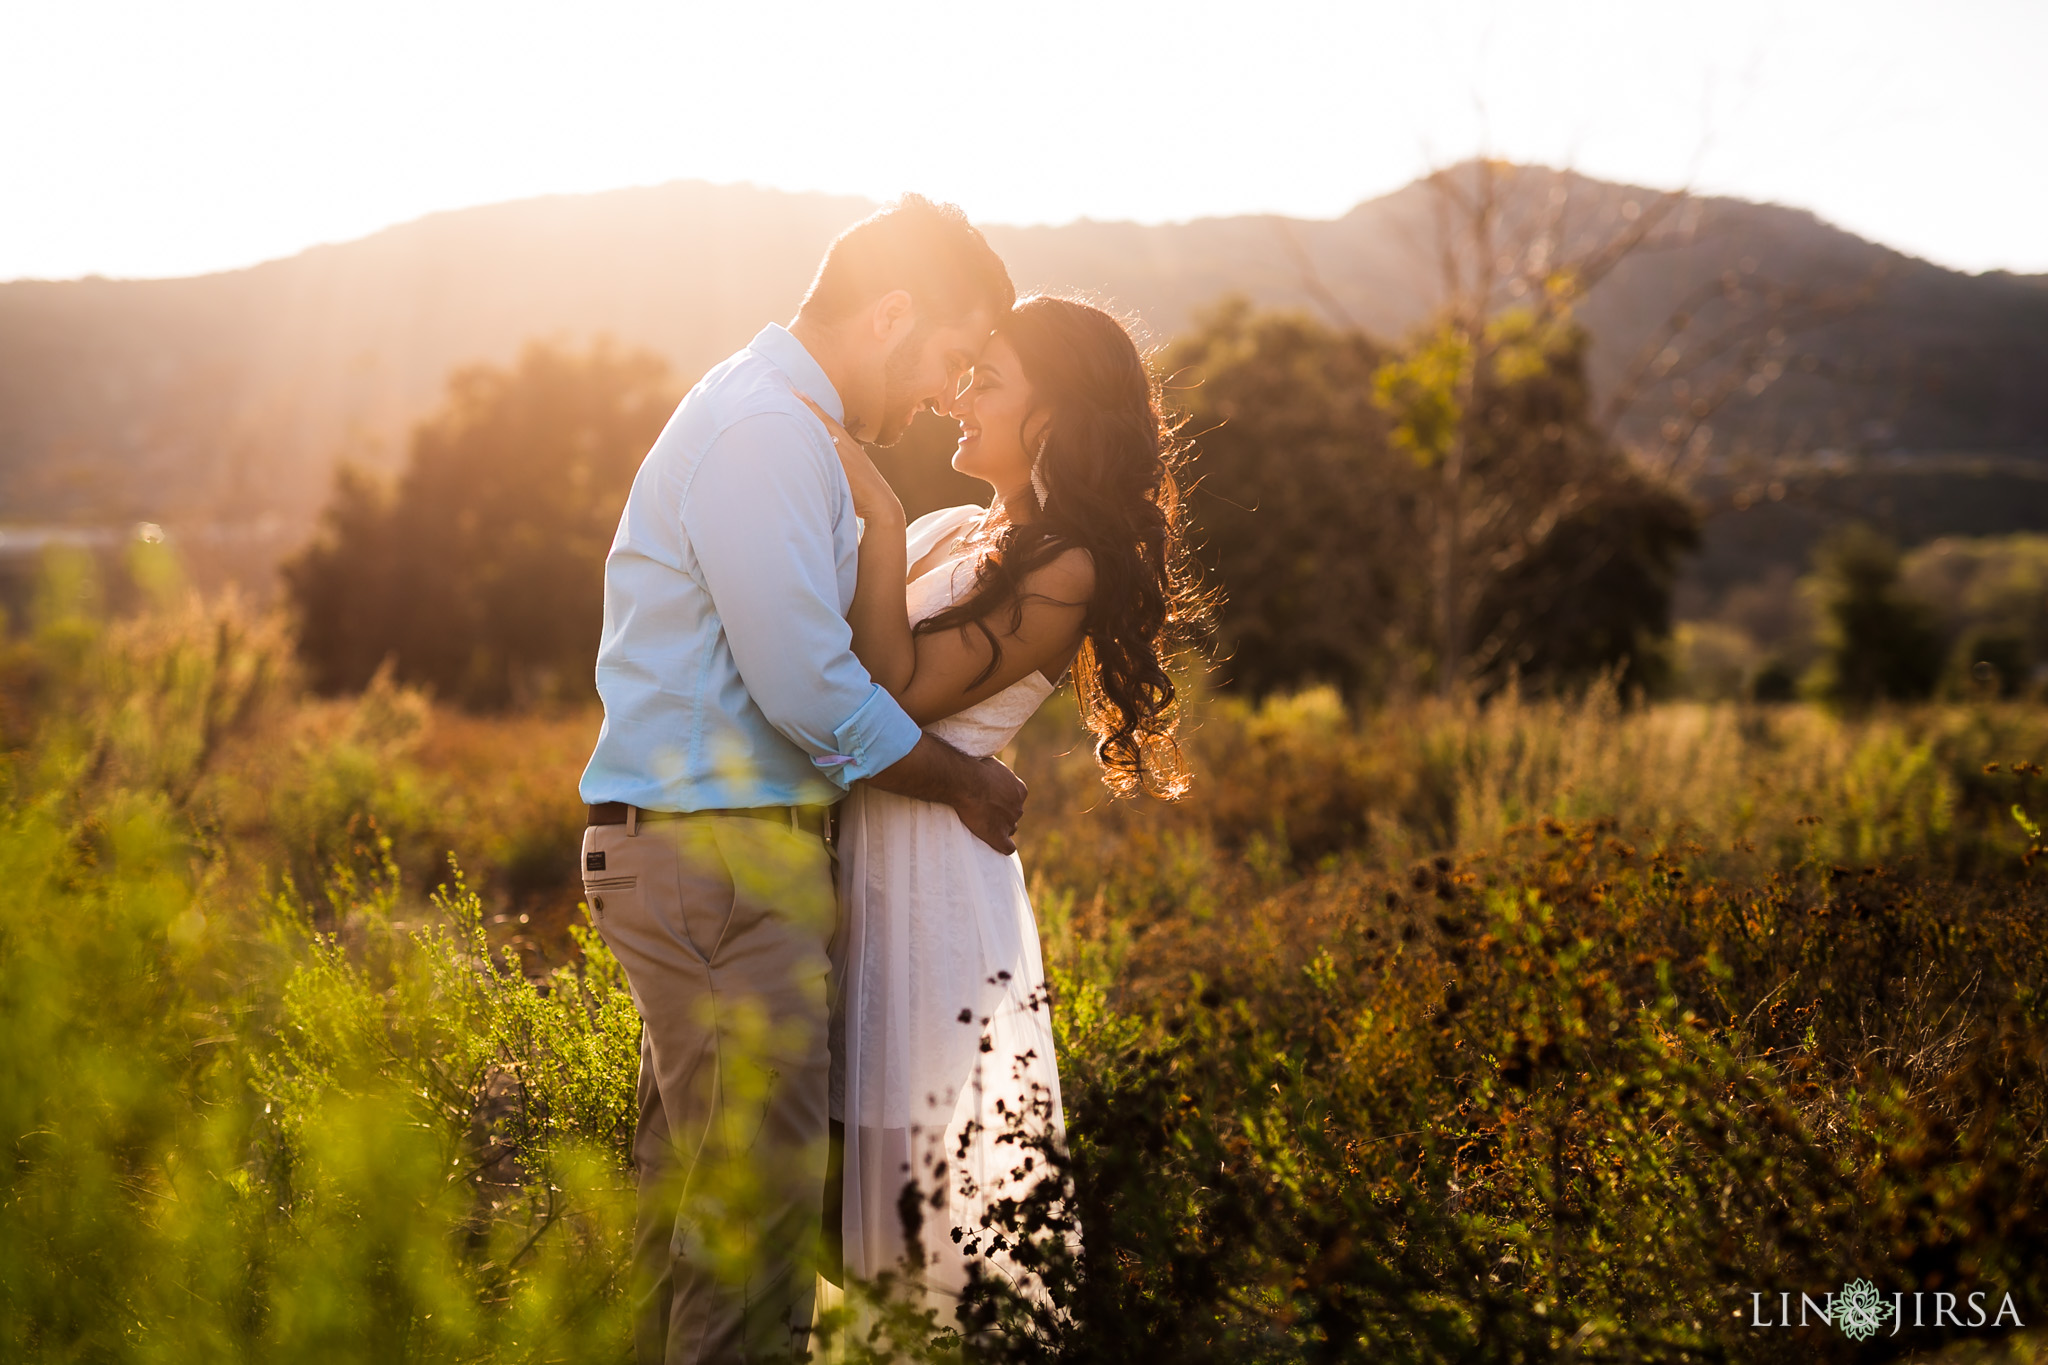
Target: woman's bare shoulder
{"points": [[1069, 576]]}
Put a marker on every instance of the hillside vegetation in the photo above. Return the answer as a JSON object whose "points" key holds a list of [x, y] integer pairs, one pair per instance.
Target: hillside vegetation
{"points": [[226, 397]]}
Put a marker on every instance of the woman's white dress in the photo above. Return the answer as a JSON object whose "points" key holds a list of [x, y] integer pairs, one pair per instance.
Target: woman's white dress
{"points": [[942, 1030]]}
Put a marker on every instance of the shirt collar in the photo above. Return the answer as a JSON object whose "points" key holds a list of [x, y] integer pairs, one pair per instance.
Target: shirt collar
{"points": [[774, 344]]}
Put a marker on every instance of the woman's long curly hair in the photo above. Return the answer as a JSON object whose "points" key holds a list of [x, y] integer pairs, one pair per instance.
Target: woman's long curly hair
{"points": [[1108, 465]]}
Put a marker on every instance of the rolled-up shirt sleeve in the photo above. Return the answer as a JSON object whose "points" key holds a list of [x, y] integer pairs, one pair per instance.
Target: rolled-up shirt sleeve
{"points": [[759, 517]]}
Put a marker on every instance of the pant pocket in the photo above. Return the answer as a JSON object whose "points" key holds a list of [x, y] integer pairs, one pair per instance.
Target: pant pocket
{"points": [[600, 892]]}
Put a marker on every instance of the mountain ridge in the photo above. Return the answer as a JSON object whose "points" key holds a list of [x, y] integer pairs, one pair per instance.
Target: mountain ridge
{"points": [[232, 395]]}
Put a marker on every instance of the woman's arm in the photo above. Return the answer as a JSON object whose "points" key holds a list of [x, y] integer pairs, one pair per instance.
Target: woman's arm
{"points": [[881, 614], [935, 675], [1040, 635]]}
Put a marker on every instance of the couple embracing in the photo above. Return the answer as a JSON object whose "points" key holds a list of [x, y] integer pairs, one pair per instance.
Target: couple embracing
{"points": [[800, 841]]}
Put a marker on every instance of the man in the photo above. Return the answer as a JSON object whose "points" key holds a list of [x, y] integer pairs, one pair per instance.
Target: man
{"points": [[735, 715]]}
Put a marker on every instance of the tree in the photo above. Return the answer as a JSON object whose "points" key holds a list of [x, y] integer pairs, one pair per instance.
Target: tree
{"points": [[1491, 398], [479, 573], [1322, 501], [1303, 512], [1554, 554], [1517, 255], [1591, 595], [1881, 642]]}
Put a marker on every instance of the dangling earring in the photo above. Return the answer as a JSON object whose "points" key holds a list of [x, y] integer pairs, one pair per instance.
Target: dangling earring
{"points": [[1038, 484]]}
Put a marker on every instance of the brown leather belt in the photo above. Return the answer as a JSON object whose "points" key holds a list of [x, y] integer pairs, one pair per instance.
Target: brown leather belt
{"points": [[815, 820]]}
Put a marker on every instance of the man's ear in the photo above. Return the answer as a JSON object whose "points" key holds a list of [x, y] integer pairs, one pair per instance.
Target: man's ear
{"points": [[893, 315]]}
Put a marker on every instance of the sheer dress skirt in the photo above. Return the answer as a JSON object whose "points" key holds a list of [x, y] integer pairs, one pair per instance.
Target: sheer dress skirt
{"points": [[942, 1049]]}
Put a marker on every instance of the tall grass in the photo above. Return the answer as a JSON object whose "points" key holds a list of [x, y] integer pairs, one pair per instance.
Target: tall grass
{"points": [[1545, 1030], [1300, 784]]}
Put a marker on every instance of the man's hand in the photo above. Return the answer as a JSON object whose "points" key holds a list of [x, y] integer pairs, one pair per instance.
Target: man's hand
{"points": [[988, 797], [991, 813]]}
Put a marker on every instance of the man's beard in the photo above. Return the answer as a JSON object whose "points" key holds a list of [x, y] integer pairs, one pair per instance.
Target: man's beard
{"points": [[899, 369]]}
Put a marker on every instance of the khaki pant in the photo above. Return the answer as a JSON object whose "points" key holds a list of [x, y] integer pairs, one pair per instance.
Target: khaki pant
{"points": [[722, 924]]}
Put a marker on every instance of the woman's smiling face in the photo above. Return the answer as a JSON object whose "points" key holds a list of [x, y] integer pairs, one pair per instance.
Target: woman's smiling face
{"points": [[998, 429]]}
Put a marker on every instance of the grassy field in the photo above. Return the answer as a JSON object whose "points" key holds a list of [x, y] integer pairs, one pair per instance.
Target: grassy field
{"points": [[1543, 1031]]}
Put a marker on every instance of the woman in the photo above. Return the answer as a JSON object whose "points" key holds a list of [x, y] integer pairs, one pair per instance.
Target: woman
{"points": [[942, 1037]]}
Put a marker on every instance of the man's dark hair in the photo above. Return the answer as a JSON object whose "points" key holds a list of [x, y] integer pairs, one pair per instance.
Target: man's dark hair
{"points": [[930, 251]]}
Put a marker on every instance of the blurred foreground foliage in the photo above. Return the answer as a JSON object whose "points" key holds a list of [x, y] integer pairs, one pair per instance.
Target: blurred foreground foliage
{"points": [[1540, 1030], [301, 1125]]}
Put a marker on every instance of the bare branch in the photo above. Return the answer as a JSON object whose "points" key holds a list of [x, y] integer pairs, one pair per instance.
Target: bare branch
{"points": [[1311, 278]]}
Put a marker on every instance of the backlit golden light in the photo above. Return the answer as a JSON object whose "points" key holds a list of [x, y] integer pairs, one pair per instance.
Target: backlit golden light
{"points": [[148, 139]]}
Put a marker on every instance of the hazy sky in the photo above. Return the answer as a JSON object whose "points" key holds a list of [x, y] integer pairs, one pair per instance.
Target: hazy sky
{"points": [[140, 137]]}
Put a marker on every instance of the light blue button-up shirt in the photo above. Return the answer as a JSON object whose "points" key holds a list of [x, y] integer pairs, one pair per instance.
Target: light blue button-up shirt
{"points": [[726, 664]]}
